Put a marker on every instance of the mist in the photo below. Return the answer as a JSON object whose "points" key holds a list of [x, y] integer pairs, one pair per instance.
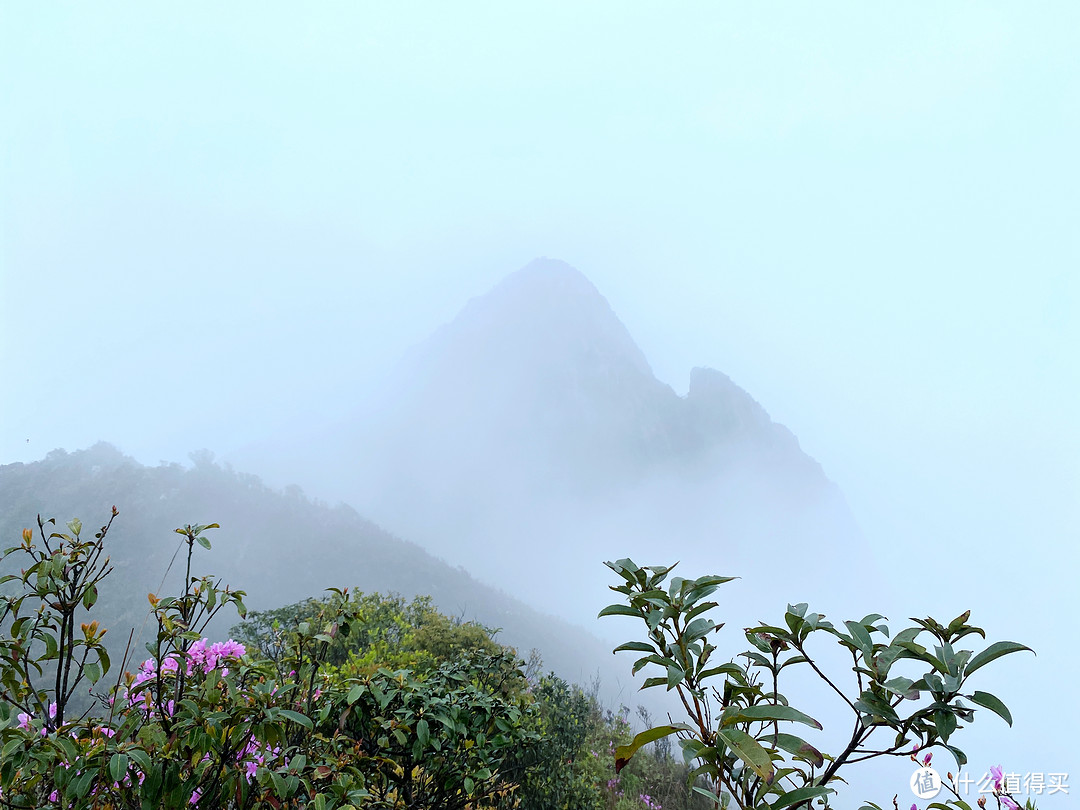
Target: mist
{"points": [[258, 231]]}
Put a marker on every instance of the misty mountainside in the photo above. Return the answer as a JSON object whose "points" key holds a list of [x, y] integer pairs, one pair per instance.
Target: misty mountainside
{"points": [[529, 440], [279, 547]]}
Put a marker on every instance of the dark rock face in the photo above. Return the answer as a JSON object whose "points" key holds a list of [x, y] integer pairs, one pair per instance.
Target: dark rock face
{"points": [[530, 432]]}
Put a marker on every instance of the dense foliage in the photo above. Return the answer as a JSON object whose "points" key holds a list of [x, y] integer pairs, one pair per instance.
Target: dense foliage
{"points": [[352, 700], [364, 700], [739, 729]]}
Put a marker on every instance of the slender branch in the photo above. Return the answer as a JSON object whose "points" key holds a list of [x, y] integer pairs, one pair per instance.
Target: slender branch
{"points": [[824, 677]]}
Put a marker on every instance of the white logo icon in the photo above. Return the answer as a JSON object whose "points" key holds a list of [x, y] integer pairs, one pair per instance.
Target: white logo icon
{"points": [[925, 783]]}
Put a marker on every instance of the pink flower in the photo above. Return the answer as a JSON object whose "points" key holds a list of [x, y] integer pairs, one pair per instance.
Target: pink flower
{"points": [[229, 649], [24, 720], [997, 774], [927, 758], [52, 709], [1005, 800]]}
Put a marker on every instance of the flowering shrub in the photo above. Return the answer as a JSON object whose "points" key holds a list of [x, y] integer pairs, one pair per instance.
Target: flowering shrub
{"points": [[208, 725]]}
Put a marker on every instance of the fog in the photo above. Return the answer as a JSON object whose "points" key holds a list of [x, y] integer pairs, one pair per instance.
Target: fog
{"points": [[241, 230]]}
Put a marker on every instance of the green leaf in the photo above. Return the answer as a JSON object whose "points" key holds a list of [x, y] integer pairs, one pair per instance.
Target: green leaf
{"points": [[799, 795], [635, 646], [798, 747], [279, 785], [945, 722], [675, 675], [993, 704], [51, 645], [624, 752], [861, 637], [90, 597], [81, 786], [712, 797], [919, 652], [958, 622], [422, 732], [958, 755], [203, 541], [876, 706], [698, 628], [766, 712], [723, 669], [995, 650], [749, 751], [699, 609], [142, 759], [118, 766], [93, 672], [618, 610], [296, 717]]}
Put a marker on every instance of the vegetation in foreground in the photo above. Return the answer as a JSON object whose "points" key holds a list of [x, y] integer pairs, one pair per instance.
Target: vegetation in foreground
{"points": [[363, 700]]}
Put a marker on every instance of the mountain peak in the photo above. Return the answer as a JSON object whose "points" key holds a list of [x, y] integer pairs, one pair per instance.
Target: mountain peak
{"points": [[552, 275], [545, 319], [531, 428]]}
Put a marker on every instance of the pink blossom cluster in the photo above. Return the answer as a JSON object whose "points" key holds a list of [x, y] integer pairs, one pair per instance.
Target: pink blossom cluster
{"points": [[255, 754], [204, 657], [25, 719], [201, 655]]}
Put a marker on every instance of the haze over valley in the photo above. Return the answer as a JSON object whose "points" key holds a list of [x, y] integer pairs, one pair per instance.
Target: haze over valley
{"points": [[528, 440]]}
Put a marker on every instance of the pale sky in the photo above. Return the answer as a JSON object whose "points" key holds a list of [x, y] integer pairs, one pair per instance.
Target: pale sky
{"points": [[219, 221]]}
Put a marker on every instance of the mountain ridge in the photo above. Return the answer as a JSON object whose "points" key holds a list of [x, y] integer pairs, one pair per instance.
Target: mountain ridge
{"points": [[278, 545], [531, 427]]}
